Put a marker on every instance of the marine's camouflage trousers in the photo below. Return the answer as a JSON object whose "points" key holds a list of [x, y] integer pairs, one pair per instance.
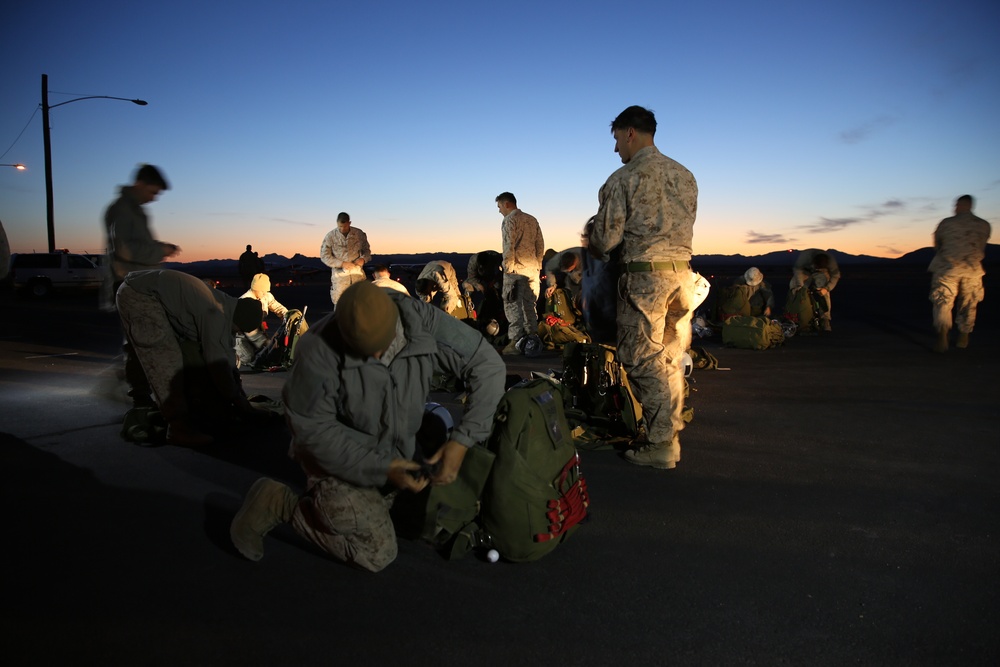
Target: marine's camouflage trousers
{"points": [[350, 523], [520, 304], [341, 281], [654, 332], [956, 291], [154, 343]]}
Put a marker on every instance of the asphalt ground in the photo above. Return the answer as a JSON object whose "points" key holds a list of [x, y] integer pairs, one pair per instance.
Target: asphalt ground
{"points": [[836, 503]]}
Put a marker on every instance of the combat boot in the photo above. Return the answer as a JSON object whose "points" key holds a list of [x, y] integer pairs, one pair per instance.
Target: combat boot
{"points": [[942, 340], [963, 340], [662, 455], [268, 504]]}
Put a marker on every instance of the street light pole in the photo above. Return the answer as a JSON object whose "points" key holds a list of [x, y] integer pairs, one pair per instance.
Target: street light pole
{"points": [[50, 221], [47, 143]]}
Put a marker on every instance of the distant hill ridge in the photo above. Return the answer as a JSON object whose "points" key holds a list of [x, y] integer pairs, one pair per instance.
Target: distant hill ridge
{"points": [[273, 261]]}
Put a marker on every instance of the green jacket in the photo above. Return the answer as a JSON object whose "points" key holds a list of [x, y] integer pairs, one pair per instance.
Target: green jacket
{"points": [[350, 416]]}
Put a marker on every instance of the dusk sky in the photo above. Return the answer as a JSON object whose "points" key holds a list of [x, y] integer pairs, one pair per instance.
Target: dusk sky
{"points": [[850, 125]]}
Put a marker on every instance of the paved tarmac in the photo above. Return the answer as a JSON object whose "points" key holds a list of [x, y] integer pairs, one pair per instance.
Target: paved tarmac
{"points": [[837, 503]]}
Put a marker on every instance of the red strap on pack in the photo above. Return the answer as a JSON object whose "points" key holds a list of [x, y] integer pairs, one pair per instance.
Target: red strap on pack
{"points": [[570, 508]]}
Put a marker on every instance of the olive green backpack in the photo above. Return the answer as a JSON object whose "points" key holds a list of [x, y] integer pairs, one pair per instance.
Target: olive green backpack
{"points": [[522, 494], [752, 333]]}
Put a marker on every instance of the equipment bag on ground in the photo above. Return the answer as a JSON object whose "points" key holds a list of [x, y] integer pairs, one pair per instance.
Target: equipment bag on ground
{"points": [[279, 352], [804, 307], [599, 389], [752, 333]]}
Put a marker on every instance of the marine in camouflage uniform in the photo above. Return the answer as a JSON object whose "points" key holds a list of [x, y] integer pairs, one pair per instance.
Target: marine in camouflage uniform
{"points": [[354, 402], [817, 268], [345, 250], [957, 272], [523, 250], [644, 228], [440, 277]]}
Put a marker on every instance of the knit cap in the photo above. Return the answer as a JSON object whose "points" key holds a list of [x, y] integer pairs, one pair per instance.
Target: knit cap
{"points": [[261, 283], [366, 318]]}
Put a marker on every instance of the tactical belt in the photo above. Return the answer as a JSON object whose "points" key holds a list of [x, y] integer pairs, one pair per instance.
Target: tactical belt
{"points": [[639, 267]]}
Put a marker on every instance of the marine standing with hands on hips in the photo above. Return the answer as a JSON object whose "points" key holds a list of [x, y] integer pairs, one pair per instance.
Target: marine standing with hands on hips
{"points": [[644, 228]]}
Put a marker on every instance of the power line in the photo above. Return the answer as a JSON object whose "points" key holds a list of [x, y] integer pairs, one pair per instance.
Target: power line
{"points": [[21, 132]]}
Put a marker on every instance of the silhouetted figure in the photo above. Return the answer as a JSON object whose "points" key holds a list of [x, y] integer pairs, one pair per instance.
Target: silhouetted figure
{"points": [[250, 265]]}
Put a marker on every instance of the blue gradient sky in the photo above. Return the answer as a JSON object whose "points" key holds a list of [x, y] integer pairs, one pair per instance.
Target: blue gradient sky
{"points": [[849, 125]]}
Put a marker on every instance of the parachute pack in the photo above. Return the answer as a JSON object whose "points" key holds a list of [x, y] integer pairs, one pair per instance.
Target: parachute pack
{"points": [[522, 494], [752, 333], [560, 324], [279, 351], [804, 307], [600, 396]]}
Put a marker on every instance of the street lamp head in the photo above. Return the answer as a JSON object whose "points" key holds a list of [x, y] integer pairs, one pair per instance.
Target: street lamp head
{"points": [[141, 103], [17, 165]]}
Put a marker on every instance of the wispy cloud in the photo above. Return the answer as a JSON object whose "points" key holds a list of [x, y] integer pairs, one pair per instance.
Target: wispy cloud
{"points": [[861, 132], [824, 225], [757, 237]]}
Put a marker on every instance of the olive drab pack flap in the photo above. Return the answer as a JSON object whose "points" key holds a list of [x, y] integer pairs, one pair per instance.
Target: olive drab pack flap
{"points": [[752, 333], [599, 388], [536, 495], [439, 514]]}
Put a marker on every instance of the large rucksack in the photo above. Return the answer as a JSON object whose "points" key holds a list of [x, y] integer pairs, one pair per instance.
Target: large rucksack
{"points": [[752, 333], [599, 390], [732, 301], [522, 494], [803, 308], [561, 306]]}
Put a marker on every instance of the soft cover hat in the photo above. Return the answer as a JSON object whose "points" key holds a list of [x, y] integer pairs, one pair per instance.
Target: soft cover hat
{"points": [[366, 318], [753, 276], [261, 283], [248, 315]]}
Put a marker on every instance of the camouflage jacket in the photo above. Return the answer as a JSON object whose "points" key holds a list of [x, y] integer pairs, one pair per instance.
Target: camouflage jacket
{"points": [[647, 207]]}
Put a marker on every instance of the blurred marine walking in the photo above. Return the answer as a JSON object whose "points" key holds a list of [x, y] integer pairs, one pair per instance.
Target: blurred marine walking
{"points": [[957, 268]]}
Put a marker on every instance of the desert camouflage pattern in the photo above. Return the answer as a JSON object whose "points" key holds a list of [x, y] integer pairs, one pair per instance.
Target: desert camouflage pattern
{"points": [[957, 271], [523, 250], [523, 245], [337, 248], [648, 208], [350, 523], [647, 213], [520, 299], [156, 346], [442, 274], [654, 332]]}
